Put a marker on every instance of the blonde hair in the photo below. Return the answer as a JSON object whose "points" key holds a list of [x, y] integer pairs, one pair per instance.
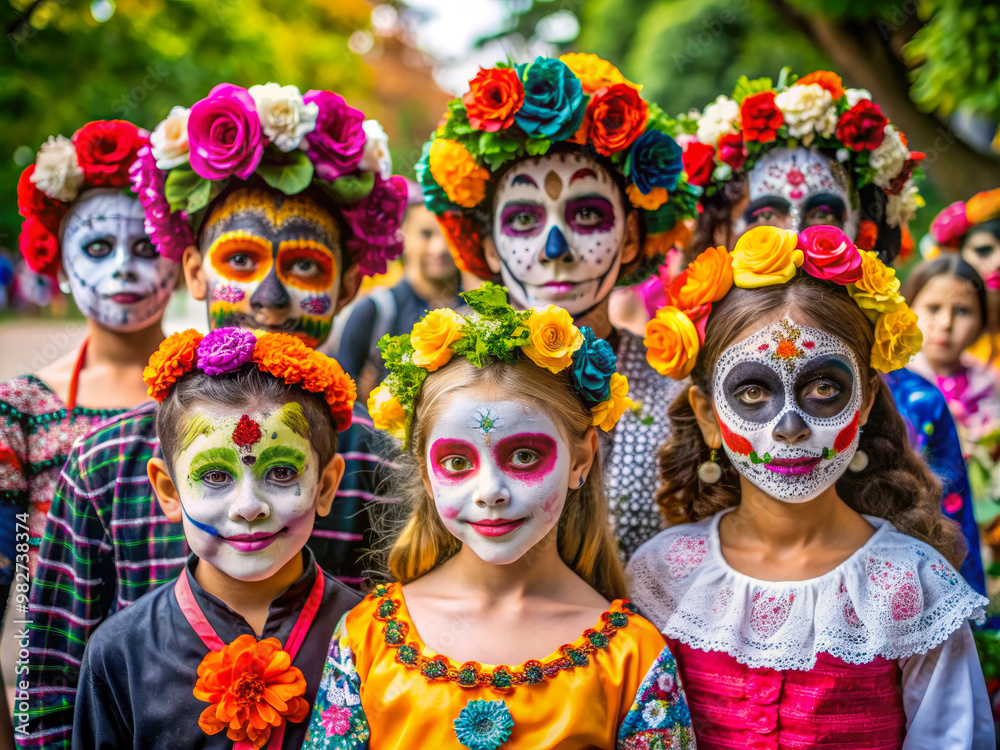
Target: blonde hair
{"points": [[421, 542]]}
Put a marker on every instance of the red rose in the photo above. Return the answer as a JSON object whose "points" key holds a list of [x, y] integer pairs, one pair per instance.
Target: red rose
{"points": [[493, 98], [760, 117], [731, 150], [618, 116], [40, 247], [699, 162], [867, 235], [898, 182], [33, 203], [862, 127], [105, 150]]}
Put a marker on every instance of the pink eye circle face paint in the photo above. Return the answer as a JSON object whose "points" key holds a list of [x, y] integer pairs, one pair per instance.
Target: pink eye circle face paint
{"points": [[499, 473]]}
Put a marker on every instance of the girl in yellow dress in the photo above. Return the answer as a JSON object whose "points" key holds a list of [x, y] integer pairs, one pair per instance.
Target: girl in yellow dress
{"points": [[504, 625]]}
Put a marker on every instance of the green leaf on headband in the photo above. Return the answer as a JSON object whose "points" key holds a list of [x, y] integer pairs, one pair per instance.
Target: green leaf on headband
{"points": [[745, 87], [537, 147], [489, 300], [203, 194], [350, 188], [181, 182], [289, 172]]}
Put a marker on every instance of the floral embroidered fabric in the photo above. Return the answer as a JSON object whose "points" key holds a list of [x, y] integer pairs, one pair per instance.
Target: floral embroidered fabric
{"points": [[338, 722], [894, 597]]}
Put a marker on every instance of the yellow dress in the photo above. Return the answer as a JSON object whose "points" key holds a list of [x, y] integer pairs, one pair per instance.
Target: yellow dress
{"points": [[614, 686]]}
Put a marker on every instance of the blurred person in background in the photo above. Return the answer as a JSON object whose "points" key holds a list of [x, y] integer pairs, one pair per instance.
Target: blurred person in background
{"points": [[430, 281]]}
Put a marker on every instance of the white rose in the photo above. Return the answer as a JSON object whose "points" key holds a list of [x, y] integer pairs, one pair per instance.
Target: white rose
{"points": [[856, 95], [376, 157], [717, 120], [900, 209], [807, 109], [284, 117], [57, 171], [888, 159], [169, 141]]}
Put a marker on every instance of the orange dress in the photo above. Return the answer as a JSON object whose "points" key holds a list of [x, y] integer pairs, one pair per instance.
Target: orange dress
{"points": [[614, 686]]}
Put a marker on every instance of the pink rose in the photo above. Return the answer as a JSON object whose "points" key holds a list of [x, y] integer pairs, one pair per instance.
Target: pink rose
{"points": [[336, 721], [337, 144], [951, 225], [375, 222], [829, 255], [224, 134]]}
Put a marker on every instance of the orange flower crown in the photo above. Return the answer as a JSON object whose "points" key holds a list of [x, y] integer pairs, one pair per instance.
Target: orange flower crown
{"points": [[765, 256], [521, 111], [228, 350]]}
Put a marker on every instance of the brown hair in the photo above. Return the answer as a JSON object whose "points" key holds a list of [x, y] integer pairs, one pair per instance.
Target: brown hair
{"points": [[421, 542], [896, 485], [247, 389]]}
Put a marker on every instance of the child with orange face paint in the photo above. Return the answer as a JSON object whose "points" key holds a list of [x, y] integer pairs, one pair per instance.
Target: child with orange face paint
{"points": [[285, 221]]}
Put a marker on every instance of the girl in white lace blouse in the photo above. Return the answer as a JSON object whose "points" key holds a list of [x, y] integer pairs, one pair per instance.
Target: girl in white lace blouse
{"points": [[808, 589]]}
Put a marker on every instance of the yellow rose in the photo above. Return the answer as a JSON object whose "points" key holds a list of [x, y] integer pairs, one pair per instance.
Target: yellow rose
{"points": [[433, 336], [552, 338], [594, 72], [386, 412], [607, 413], [456, 171], [671, 343], [765, 256], [877, 291], [897, 339], [650, 201]]}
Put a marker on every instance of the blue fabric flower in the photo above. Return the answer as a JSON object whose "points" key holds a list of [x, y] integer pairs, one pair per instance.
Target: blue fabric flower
{"points": [[434, 196], [655, 161], [554, 103], [593, 364], [484, 725]]}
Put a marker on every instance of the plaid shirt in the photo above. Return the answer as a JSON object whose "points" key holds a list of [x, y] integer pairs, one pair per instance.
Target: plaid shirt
{"points": [[107, 543]]}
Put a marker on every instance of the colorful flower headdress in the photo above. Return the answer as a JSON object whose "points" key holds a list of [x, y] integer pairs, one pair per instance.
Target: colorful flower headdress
{"points": [[496, 331], [955, 221], [290, 141], [517, 111], [228, 350], [765, 256], [98, 156], [814, 111]]}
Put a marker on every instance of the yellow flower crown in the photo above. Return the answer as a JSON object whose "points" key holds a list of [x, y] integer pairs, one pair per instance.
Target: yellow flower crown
{"points": [[496, 331], [765, 256]]}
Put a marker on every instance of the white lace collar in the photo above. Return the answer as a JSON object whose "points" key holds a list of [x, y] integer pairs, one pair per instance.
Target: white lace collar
{"points": [[894, 597]]}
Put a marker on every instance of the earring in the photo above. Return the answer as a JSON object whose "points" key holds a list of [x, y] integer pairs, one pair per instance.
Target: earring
{"points": [[709, 471], [580, 483], [859, 462]]}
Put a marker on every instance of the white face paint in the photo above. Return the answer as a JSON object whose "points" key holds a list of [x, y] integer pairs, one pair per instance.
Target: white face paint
{"points": [[796, 188], [981, 250], [788, 399], [117, 278], [499, 471], [559, 225], [248, 486]]}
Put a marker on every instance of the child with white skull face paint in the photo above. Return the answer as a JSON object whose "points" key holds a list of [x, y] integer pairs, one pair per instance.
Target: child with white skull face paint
{"points": [[505, 532], [802, 546]]}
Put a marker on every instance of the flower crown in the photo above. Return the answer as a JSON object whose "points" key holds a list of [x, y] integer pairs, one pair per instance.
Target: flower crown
{"points": [[519, 111], [290, 141], [98, 156], [955, 221], [497, 332], [814, 111], [227, 350], [765, 256]]}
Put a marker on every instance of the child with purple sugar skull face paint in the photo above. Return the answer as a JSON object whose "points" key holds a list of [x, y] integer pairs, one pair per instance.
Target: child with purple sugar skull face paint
{"points": [[572, 186], [808, 538], [505, 532]]}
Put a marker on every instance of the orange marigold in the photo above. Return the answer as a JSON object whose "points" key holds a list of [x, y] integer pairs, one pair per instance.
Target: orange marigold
{"points": [[825, 79], [594, 72], [175, 357], [456, 171], [253, 688], [284, 356], [340, 395]]}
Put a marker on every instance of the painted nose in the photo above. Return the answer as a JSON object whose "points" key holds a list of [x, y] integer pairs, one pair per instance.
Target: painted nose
{"points": [[271, 294], [248, 507], [555, 244], [791, 429]]}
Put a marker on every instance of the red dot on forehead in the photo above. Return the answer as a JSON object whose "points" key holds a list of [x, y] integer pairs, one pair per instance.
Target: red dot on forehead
{"points": [[247, 432]]}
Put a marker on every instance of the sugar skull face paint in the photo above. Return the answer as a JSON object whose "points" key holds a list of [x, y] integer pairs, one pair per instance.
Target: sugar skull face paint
{"points": [[117, 278], [499, 472], [795, 188], [559, 225], [273, 262], [788, 400], [248, 485], [981, 250]]}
